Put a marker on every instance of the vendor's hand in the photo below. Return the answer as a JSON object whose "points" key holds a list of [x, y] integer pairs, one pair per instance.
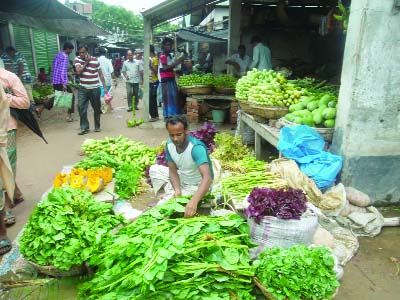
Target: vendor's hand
{"points": [[191, 209], [177, 194]]}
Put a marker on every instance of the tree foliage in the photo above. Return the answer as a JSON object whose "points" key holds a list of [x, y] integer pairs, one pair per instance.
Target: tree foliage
{"points": [[111, 17]]}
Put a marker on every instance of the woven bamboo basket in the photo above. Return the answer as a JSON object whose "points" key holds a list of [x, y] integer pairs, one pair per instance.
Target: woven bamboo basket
{"points": [[327, 133], [246, 107], [269, 296], [269, 112], [53, 271], [225, 91], [197, 90]]}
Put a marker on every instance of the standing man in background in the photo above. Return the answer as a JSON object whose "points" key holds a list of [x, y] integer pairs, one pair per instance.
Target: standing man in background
{"points": [[133, 72], [108, 72], [60, 76], [240, 61], [89, 71], [261, 55], [15, 62]]}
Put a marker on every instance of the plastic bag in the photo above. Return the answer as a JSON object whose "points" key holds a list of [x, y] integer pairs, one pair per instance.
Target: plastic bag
{"points": [[63, 99], [305, 146]]}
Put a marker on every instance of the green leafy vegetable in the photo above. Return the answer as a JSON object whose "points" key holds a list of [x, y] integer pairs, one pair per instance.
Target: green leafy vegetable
{"points": [[127, 180], [66, 228], [297, 273], [157, 257]]}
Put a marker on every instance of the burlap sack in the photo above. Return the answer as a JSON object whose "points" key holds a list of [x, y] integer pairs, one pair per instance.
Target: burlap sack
{"points": [[332, 200]]}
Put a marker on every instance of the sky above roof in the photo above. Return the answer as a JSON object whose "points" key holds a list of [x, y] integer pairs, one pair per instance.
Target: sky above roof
{"points": [[135, 6]]}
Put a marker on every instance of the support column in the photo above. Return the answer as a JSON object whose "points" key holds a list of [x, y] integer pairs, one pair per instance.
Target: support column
{"points": [[235, 13], [367, 132], [146, 59]]}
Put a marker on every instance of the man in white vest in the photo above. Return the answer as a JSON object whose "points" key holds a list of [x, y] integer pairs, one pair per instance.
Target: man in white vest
{"points": [[189, 170]]}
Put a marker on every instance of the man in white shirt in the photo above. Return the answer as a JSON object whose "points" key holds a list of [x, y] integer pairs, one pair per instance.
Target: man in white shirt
{"points": [[240, 61], [261, 55], [108, 73], [133, 72]]}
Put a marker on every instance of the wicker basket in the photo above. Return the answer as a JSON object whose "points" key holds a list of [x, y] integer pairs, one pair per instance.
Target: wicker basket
{"points": [[246, 107], [197, 90], [225, 91], [53, 271], [327, 133], [269, 112]]}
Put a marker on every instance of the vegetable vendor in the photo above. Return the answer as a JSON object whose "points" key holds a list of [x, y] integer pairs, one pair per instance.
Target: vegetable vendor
{"points": [[189, 171]]}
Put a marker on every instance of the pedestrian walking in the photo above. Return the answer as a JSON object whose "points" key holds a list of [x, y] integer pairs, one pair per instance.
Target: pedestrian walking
{"points": [[153, 109], [133, 73], [6, 175], [15, 62], [108, 73], [17, 97], [60, 77], [88, 68], [169, 88]]}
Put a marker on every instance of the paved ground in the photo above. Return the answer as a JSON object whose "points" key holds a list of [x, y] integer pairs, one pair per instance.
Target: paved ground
{"points": [[372, 274]]}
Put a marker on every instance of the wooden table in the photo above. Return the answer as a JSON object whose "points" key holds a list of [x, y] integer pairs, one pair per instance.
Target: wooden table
{"points": [[261, 132]]}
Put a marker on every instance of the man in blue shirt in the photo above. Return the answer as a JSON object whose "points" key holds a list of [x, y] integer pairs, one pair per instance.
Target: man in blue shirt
{"points": [[189, 165]]}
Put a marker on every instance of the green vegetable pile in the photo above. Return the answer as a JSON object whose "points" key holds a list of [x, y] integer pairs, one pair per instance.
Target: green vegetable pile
{"points": [[157, 257], [39, 93], [66, 228], [267, 88], [122, 150], [238, 186], [225, 81], [229, 148], [297, 273], [245, 165], [314, 111], [127, 180], [196, 79], [96, 161]]}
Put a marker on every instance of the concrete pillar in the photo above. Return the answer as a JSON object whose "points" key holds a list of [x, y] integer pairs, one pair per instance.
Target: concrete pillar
{"points": [[235, 13], [367, 132], [146, 75]]}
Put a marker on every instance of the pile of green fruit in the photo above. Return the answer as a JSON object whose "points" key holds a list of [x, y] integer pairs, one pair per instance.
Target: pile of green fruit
{"points": [[122, 150], [314, 111], [225, 81], [267, 88], [41, 92], [195, 79]]}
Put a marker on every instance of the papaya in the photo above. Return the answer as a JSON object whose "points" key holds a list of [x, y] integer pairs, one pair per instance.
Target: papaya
{"points": [[329, 123], [332, 103], [317, 117], [298, 120], [325, 99], [313, 105], [329, 113], [308, 120], [289, 117]]}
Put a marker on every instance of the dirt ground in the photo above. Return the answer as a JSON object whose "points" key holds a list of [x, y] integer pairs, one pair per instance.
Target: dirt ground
{"points": [[372, 274]]}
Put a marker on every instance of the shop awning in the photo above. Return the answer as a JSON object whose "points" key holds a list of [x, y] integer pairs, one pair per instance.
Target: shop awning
{"points": [[49, 15], [193, 36]]}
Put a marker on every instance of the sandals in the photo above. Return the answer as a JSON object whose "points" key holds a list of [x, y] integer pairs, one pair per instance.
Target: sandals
{"points": [[17, 201], [9, 218], [5, 245], [70, 119]]}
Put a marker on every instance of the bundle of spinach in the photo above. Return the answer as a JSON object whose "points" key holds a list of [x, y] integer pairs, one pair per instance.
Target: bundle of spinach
{"points": [[297, 273], [127, 180], [157, 257], [66, 228]]}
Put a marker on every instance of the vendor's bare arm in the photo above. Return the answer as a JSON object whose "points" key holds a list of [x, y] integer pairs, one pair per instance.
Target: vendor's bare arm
{"points": [[204, 187], [174, 177]]}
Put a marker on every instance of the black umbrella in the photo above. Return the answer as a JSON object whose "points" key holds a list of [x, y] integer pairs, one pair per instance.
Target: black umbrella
{"points": [[26, 116]]}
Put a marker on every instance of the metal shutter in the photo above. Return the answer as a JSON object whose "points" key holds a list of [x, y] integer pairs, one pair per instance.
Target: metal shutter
{"points": [[23, 45], [46, 47]]}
